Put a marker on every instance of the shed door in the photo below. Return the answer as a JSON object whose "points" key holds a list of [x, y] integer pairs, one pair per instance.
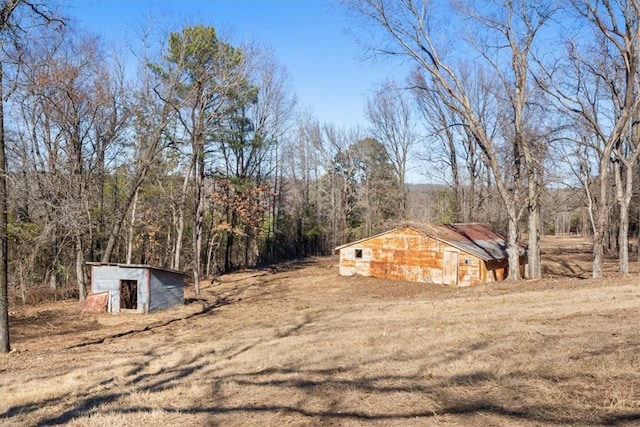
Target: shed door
{"points": [[450, 268], [128, 294]]}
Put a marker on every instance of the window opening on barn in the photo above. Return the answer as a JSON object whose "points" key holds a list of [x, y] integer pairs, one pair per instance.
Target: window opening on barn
{"points": [[128, 294], [467, 262], [358, 253]]}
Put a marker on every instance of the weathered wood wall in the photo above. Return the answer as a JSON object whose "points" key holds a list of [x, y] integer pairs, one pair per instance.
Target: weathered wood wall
{"points": [[410, 255]]}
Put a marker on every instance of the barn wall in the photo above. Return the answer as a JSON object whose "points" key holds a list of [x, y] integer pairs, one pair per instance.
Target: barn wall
{"points": [[350, 264], [470, 270], [413, 256], [167, 290]]}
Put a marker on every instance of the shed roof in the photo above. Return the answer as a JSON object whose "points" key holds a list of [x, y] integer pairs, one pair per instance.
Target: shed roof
{"points": [[473, 238], [121, 265]]}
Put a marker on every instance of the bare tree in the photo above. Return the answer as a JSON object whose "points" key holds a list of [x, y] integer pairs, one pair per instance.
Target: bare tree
{"points": [[391, 115], [340, 185], [73, 113], [518, 23], [10, 25], [410, 29], [304, 219], [598, 88], [148, 117], [627, 152], [451, 146]]}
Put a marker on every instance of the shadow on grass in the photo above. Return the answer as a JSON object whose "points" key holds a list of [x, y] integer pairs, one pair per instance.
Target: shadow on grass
{"points": [[480, 392], [206, 309], [567, 269], [84, 406], [472, 404]]}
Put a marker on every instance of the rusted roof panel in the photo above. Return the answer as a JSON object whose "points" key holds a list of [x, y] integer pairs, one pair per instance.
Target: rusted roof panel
{"points": [[475, 231], [480, 241], [474, 239]]}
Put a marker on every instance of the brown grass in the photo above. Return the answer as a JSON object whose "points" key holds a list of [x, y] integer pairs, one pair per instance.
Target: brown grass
{"points": [[303, 346]]}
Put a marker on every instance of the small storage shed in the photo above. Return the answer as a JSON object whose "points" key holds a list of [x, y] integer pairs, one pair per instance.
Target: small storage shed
{"points": [[140, 288], [453, 254]]}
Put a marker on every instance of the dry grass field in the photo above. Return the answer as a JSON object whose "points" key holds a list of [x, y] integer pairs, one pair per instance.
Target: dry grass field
{"points": [[300, 345]]}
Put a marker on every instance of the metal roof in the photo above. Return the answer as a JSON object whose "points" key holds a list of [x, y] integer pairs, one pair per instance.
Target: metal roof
{"points": [[121, 265], [473, 238]]}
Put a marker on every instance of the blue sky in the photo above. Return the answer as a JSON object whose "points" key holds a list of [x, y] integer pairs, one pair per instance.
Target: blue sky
{"points": [[309, 37]]}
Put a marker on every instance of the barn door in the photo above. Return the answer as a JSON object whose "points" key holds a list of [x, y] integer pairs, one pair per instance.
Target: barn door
{"points": [[450, 268]]}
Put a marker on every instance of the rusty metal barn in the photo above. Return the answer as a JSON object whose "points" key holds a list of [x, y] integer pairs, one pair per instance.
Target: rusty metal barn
{"points": [[453, 254], [139, 288]]}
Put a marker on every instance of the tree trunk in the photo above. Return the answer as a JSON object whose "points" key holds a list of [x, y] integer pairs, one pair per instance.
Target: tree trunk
{"points": [[513, 252], [228, 265], [131, 228], [533, 253], [4, 273], [198, 214], [598, 252], [275, 202], [210, 250], [455, 174], [53, 272], [623, 241], [23, 286], [600, 229], [594, 220], [624, 192], [472, 199], [80, 276], [180, 227], [533, 224], [247, 243]]}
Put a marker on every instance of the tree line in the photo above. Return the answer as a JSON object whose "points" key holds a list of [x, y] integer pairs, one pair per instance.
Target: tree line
{"points": [[539, 93], [193, 153]]}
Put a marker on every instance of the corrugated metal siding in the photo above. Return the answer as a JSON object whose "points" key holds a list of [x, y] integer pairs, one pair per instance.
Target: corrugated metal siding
{"points": [[157, 288], [167, 289], [107, 278]]}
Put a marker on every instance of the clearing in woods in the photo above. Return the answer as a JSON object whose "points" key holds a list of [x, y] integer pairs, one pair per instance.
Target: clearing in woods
{"points": [[300, 345]]}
